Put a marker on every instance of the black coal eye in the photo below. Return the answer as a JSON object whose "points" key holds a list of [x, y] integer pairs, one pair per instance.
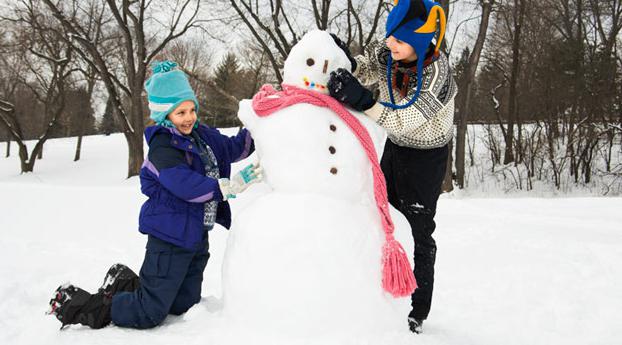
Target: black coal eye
{"points": [[310, 62]]}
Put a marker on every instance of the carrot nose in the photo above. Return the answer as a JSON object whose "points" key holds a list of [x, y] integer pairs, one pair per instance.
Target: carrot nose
{"points": [[325, 66]]}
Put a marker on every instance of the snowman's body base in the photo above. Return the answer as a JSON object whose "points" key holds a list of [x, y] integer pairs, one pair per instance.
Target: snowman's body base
{"points": [[304, 264]]}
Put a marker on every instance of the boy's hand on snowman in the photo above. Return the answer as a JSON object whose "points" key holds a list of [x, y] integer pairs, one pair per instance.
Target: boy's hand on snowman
{"points": [[344, 87], [252, 173], [346, 50]]}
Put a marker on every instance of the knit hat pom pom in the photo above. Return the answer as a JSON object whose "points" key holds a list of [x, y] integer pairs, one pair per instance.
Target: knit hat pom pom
{"points": [[163, 66]]}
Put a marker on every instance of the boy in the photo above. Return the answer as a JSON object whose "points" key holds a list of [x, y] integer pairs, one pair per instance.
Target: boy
{"points": [[418, 120]]}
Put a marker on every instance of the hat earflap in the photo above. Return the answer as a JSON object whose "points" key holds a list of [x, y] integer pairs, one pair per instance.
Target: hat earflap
{"points": [[392, 104], [436, 14]]}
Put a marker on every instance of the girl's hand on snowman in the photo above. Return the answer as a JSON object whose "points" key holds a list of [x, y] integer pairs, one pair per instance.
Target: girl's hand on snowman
{"points": [[344, 87], [252, 173]]}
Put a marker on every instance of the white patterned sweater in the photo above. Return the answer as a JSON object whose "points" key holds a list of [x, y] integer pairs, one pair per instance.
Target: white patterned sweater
{"points": [[427, 123]]}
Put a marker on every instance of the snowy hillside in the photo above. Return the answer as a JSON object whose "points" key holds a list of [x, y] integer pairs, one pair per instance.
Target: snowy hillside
{"points": [[509, 271]]}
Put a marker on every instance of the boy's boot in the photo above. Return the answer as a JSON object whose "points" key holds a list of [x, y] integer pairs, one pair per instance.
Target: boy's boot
{"points": [[119, 278], [72, 305], [415, 325]]}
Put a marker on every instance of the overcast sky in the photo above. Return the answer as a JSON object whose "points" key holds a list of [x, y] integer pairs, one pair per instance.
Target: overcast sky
{"points": [[466, 11], [461, 35]]}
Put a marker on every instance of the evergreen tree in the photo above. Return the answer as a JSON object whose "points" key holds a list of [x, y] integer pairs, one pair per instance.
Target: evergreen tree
{"points": [[107, 125], [226, 74], [228, 77]]}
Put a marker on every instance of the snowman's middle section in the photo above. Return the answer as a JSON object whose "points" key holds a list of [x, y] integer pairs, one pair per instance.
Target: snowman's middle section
{"points": [[314, 151]]}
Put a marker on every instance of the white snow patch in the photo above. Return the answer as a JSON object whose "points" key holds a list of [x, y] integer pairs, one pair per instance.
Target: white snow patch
{"points": [[509, 270]]}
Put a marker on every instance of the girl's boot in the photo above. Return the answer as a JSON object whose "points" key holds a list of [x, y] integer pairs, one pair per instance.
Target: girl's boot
{"points": [[72, 305]]}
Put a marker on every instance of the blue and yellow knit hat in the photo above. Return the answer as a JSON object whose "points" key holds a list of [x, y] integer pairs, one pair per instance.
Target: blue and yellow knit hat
{"points": [[167, 88], [409, 24]]}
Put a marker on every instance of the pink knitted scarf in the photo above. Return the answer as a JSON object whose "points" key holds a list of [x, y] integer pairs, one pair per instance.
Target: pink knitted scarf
{"points": [[397, 275]]}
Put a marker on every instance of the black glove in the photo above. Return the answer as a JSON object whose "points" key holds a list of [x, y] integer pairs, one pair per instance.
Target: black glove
{"points": [[345, 49], [344, 87]]}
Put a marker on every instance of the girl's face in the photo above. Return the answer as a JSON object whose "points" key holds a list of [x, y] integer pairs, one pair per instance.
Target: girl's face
{"points": [[184, 117], [401, 51]]}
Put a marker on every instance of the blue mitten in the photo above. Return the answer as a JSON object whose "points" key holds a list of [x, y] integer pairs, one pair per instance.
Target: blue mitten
{"points": [[344, 87]]}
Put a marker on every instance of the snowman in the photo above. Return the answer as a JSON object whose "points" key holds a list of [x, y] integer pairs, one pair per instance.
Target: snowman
{"points": [[304, 258]]}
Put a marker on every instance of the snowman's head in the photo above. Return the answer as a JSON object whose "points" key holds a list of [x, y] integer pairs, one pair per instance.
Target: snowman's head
{"points": [[311, 60]]}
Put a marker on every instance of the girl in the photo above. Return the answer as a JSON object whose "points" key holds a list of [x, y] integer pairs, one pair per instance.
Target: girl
{"points": [[417, 92], [186, 177]]}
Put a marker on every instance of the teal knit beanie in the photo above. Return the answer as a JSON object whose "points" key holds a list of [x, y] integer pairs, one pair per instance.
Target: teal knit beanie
{"points": [[167, 88]]}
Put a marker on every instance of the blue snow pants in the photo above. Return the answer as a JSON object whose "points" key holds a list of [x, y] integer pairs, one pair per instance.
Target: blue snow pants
{"points": [[170, 283]]}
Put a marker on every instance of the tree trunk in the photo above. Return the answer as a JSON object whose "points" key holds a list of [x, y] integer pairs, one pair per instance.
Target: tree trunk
{"points": [[89, 92], [36, 152], [461, 142], [135, 154], [519, 138], [519, 15], [76, 157], [611, 135], [8, 148], [28, 161], [135, 138], [465, 108], [448, 184], [23, 158], [445, 4]]}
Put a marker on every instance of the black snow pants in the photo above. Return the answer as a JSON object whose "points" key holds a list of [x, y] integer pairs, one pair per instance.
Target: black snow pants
{"points": [[414, 178]]}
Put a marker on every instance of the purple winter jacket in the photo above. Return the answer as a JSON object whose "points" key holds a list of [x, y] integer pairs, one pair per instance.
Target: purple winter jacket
{"points": [[173, 177]]}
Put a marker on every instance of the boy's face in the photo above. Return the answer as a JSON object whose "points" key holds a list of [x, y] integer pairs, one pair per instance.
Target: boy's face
{"points": [[184, 117], [401, 51]]}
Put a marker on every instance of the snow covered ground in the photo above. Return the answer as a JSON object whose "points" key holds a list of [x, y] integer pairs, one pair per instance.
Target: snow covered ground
{"points": [[509, 270]]}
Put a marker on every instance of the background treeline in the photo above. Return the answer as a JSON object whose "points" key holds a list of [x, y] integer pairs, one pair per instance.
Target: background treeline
{"points": [[548, 92], [540, 82]]}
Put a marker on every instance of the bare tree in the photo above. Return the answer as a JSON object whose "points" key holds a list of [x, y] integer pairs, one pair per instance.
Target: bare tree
{"points": [[95, 21], [271, 27], [448, 180], [138, 50], [47, 74], [90, 78], [518, 11], [8, 84], [467, 88], [267, 32], [7, 109]]}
